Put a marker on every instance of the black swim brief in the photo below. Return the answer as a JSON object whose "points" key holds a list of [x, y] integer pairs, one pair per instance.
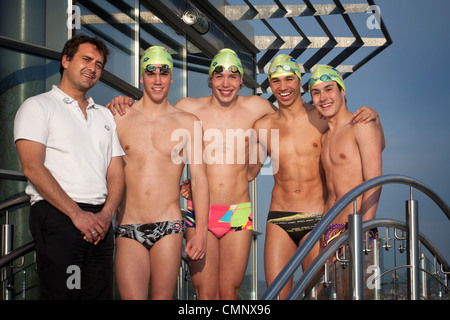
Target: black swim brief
{"points": [[296, 224], [149, 233]]}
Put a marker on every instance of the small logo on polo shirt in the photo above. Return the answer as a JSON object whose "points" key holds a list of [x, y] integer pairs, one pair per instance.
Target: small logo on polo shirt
{"points": [[107, 127]]}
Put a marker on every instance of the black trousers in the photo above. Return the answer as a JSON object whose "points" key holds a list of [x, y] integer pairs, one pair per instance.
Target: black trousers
{"points": [[69, 267]]}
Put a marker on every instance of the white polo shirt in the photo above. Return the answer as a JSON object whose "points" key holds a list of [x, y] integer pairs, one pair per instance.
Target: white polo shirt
{"points": [[78, 150]]}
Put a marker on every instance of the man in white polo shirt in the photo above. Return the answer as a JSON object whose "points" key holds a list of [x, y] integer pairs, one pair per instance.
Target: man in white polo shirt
{"points": [[71, 155]]}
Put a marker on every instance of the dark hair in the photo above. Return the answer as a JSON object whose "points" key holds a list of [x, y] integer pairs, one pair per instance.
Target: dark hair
{"points": [[71, 48], [340, 89]]}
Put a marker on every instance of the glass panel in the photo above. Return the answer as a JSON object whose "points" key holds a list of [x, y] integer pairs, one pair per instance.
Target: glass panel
{"points": [[41, 22], [117, 26], [21, 76], [198, 68], [24, 75]]}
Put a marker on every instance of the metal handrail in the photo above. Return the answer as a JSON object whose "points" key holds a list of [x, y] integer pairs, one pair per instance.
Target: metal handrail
{"points": [[317, 264], [293, 264], [18, 199], [15, 201], [12, 175], [17, 253]]}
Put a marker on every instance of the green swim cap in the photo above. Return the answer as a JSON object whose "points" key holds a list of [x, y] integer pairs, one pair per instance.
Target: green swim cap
{"points": [[283, 65], [325, 74], [156, 55], [226, 58]]}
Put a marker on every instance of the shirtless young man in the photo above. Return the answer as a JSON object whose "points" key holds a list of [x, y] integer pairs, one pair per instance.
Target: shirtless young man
{"points": [[351, 153], [219, 275], [150, 227], [299, 192]]}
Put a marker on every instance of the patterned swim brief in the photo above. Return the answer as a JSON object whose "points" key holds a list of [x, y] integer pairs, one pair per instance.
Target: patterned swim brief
{"points": [[224, 219], [148, 234], [296, 224], [335, 230]]}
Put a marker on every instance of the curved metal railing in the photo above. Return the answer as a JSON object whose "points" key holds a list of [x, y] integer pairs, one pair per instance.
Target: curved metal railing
{"points": [[320, 228], [309, 274]]}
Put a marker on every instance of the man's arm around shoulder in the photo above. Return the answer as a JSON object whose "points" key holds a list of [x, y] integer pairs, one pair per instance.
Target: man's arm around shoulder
{"points": [[186, 103]]}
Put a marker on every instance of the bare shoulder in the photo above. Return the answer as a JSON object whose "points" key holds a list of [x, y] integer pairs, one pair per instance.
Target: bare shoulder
{"points": [[268, 121], [186, 116], [253, 99], [315, 118], [257, 102], [131, 112], [184, 101], [310, 108], [181, 118], [366, 132], [189, 104], [366, 128]]}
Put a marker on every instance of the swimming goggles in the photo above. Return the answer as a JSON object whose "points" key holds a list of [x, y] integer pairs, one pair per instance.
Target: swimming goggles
{"points": [[285, 67], [220, 69], [162, 68], [323, 78]]}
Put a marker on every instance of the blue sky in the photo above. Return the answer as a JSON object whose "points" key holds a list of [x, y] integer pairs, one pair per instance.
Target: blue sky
{"points": [[407, 86]]}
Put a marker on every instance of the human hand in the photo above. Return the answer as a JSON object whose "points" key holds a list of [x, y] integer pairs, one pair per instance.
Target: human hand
{"points": [[196, 247], [185, 189], [364, 115], [91, 226], [119, 104]]}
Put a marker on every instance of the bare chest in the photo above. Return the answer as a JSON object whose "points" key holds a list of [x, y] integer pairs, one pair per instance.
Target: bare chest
{"points": [[227, 132], [149, 139], [294, 140], [340, 149]]}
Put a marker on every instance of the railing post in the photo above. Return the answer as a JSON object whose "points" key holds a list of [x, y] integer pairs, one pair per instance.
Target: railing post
{"points": [[7, 245], [356, 256], [376, 261], [412, 234], [424, 282]]}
